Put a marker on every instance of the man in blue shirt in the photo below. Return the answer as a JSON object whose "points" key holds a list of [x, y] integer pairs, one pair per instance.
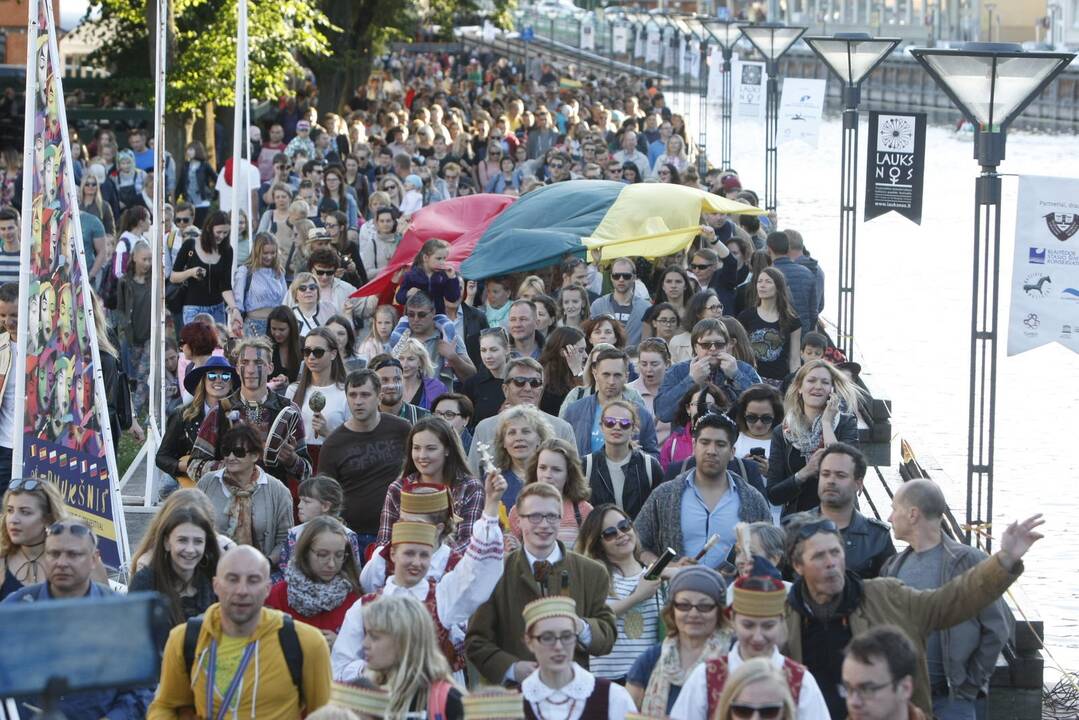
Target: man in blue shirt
{"points": [[144, 155], [706, 500]]}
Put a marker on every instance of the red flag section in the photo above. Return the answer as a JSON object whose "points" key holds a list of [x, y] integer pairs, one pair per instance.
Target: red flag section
{"points": [[460, 222]]}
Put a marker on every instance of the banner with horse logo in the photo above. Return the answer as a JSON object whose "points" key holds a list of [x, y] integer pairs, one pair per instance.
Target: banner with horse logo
{"points": [[61, 412], [1045, 273]]}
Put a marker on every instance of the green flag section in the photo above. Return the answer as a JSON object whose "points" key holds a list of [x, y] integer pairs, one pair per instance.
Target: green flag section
{"points": [[545, 225]]}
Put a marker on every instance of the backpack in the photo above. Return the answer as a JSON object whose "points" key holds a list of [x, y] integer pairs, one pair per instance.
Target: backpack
{"points": [[290, 647]]}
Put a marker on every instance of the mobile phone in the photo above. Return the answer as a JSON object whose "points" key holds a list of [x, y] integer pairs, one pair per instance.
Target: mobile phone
{"points": [[757, 452], [660, 565]]}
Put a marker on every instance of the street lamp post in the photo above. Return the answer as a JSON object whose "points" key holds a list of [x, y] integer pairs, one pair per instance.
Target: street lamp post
{"points": [[772, 40], [991, 83], [850, 57], [725, 34]]}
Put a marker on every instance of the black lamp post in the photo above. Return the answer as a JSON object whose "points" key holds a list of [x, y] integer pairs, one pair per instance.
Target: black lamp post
{"points": [[696, 29], [725, 34], [850, 57], [991, 83], [772, 40]]}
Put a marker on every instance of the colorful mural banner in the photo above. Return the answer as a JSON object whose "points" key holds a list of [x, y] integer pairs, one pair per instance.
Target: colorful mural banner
{"points": [[60, 396]]}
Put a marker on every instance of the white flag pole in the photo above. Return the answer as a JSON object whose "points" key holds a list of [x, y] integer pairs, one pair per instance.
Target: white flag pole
{"points": [[239, 172]]}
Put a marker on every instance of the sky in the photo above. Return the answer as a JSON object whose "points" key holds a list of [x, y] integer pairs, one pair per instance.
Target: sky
{"points": [[71, 11]]}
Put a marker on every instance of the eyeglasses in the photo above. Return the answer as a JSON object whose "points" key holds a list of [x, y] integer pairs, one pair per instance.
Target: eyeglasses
{"points": [[621, 276], [703, 608], [819, 526], [613, 422], [667, 320], [73, 528], [550, 639], [700, 266], [222, 375], [25, 484], [752, 419], [765, 712], [712, 345], [449, 414], [316, 351], [864, 691], [539, 518], [238, 451], [418, 315], [325, 273], [307, 288], [331, 226], [555, 166], [622, 526], [522, 381]]}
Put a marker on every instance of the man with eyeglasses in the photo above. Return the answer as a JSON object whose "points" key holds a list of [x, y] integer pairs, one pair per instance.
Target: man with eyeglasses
{"points": [[523, 385], [70, 557], [708, 499], [712, 363], [829, 606], [878, 676], [622, 302], [541, 568], [867, 541]]}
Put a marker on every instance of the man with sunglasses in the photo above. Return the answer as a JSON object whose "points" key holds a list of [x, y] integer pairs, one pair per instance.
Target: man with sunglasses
{"points": [[712, 363], [523, 385], [70, 557], [622, 302], [335, 294], [708, 499], [449, 354], [715, 267], [829, 606]]}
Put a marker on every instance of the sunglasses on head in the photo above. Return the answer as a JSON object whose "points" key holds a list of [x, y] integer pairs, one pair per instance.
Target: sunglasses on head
{"points": [[522, 381], [316, 351], [613, 422], [742, 711], [238, 451], [820, 526], [622, 526], [25, 484], [73, 528], [222, 375]]}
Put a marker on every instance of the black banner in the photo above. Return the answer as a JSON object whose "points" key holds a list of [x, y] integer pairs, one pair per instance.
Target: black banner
{"points": [[895, 166]]}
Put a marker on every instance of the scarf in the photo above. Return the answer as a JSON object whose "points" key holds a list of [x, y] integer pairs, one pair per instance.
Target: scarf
{"points": [[668, 671], [811, 440], [238, 514], [311, 597]]}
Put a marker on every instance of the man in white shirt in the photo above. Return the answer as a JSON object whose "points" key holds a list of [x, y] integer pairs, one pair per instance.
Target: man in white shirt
{"points": [[630, 153]]}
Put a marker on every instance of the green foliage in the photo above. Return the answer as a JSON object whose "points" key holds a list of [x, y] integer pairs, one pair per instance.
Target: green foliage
{"points": [[203, 49]]}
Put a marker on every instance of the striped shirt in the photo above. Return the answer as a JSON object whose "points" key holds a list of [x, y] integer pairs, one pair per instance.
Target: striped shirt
{"points": [[626, 649], [9, 266]]}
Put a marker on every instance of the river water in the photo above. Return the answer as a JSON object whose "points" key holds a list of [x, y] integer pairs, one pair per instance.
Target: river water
{"points": [[912, 325]]}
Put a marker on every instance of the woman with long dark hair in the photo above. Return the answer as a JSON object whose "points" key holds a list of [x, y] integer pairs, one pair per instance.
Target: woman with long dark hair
{"points": [[774, 329], [204, 268], [195, 181], [183, 563], [284, 336], [563, 359], [320, 390]]}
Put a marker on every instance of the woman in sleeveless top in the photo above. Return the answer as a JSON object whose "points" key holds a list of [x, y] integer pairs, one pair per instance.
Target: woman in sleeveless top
{"points": [[30, 506]]}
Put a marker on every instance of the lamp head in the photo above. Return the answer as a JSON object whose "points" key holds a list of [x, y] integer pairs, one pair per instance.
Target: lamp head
{"points": [[852, 56], [772, 39]]}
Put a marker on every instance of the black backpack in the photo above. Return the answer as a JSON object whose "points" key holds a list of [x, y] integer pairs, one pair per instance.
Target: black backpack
{"points": [[290, 646]]}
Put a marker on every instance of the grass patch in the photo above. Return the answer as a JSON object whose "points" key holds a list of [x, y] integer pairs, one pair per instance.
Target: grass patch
{"points": [[126, 452]]}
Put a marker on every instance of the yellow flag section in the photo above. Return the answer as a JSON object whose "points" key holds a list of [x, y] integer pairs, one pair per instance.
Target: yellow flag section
{"points": [[656, 219]]}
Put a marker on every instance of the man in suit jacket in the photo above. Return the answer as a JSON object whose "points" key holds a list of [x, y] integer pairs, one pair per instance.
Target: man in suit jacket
{"points": [[542, 567], [468, 321]]}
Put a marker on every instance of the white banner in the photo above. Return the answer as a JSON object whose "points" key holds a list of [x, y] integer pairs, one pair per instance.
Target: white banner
{"points": [[588, 36], [651, 46], [638, 43], [620, 39], [670, 51], [693, 59], [749, 89], [800, 108], [1045, 274], [715, 74]]}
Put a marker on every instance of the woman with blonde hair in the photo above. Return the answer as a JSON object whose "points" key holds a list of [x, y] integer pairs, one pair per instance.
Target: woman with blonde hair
{"points": [[404, 659], [31, 505], [817, 413], [756, 690], [530, 287], [557, 463], [304, 302], [260, 284], [421, 387], [521, 430]]}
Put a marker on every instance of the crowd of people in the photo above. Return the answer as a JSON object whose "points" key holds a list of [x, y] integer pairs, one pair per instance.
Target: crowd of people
{"points": [[591, 491]]}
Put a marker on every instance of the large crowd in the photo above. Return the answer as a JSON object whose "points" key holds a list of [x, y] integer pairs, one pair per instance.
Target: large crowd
{"points": [[597, 490]]}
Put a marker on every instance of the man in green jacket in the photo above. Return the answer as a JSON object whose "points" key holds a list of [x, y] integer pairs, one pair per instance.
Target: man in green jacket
{"points": [[828, 606], [543, 567]]}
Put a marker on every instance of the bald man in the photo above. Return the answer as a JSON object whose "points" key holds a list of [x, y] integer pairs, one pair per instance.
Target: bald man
{"points": [[961, 658], [276, 669]]}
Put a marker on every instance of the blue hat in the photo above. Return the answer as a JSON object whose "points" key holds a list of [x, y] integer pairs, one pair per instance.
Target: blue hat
{"points": [[216, 362], [414, 180]]}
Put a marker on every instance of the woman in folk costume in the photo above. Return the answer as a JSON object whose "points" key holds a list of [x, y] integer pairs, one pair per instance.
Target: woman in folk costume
{"points": [[697, 630], [450, 600], [560, 689], [424, 503], [757, 611]]}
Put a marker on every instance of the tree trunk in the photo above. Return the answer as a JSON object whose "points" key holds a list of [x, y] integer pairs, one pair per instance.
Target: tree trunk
{"points": [[339, 75], [209, 134]]}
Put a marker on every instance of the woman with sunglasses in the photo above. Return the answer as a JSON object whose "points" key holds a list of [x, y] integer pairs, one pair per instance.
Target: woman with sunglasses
{"points": [[608, 536], [304, 295], [250, 506], [91, 201], [320, 390], [322, 580], [556, 463], [183, 563], [488, 168], [30, 506], [208, 385], [758, 411], [620, 472], [697, 631], [484, 388]]}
